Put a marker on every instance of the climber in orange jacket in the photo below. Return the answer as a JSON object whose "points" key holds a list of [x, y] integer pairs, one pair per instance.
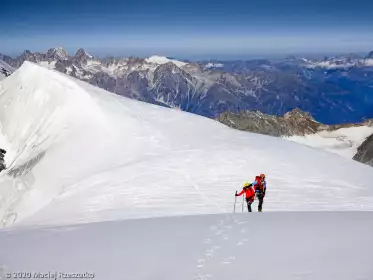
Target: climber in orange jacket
{"points": [[258, 187]]}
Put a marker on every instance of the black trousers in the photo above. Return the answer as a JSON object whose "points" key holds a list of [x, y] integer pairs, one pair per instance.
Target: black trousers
{"points": [[249, 201], [260, 205]]}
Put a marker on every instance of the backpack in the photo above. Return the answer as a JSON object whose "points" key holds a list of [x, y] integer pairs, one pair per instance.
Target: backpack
{"points": [[260, 186]]}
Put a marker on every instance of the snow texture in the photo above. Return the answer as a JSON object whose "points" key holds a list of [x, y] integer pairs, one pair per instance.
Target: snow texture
{"points": [[79, 154], [344, 141], [256, 246]]}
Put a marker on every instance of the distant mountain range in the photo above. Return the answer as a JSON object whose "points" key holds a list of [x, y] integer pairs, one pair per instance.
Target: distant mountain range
{"points": [[333, 90], [256, 95]]}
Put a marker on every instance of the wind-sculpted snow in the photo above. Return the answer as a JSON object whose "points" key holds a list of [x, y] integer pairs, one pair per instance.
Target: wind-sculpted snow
{"points": [[79, 154]]}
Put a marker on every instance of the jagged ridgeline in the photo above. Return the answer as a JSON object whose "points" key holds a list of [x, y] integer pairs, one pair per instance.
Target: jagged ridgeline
{"points": [[325, 88]]}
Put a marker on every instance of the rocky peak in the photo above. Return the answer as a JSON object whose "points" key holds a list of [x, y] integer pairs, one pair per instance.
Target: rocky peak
{"points": [[27, 54], [370, 55], [82, 53], [298, 115], [82, 56], [135, 61], [170, 68], [57, 54]]}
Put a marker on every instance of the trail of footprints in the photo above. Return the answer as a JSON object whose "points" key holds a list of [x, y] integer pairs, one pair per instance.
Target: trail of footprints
{"points": [[220, 234]]}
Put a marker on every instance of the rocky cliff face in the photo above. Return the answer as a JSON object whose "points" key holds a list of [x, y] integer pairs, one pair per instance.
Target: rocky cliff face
{"points": [[295, 122], [365, 152], [2, 162]]}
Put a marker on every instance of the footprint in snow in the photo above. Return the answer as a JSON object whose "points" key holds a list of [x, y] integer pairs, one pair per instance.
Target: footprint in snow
{"points": [[302, 274], [228, 260], [213, 228], [201, 263], [209, 253], [242, 241], [207, 241], [202, 277]]}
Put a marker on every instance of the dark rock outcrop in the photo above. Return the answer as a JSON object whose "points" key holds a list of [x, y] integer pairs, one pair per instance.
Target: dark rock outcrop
{"points": [[295, 122], [2, 162], [365, 152]]}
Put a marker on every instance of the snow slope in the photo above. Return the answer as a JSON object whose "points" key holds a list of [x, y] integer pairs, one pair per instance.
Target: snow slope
{"points": [[79, 154], [266, 246], [344, 141]]}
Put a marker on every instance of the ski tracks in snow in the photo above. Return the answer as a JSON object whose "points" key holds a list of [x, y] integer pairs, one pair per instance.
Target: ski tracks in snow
{"points": [[226, 236]]}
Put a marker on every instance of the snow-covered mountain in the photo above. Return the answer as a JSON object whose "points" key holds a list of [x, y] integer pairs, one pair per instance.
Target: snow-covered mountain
{"points": [[80, 154], [347, 140], [341, 62], [5, 70], [331, 95]]}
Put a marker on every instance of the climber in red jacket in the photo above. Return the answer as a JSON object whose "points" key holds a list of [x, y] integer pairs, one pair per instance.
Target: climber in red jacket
{"points": [[258, 188], [249, 192]]}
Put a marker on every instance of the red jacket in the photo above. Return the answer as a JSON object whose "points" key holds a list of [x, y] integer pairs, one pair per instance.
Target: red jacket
{"points": [[249, 191]]}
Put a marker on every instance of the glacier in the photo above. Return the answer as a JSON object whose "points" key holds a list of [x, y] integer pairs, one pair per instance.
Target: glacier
{"points": [[343, 141]]}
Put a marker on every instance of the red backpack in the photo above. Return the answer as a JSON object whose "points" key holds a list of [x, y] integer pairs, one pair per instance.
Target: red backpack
{"points": [[259, 186]]}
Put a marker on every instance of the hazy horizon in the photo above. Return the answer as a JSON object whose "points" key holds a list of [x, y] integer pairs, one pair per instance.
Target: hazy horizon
{"points": [[188, 30], [203, 57]]}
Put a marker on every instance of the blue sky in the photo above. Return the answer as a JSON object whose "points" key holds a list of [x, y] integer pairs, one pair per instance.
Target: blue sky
{"points": [[188, 29]]}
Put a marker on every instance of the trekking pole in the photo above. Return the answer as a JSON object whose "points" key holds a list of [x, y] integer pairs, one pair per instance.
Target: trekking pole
{"points": [[243, 201], [235, 201]]}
